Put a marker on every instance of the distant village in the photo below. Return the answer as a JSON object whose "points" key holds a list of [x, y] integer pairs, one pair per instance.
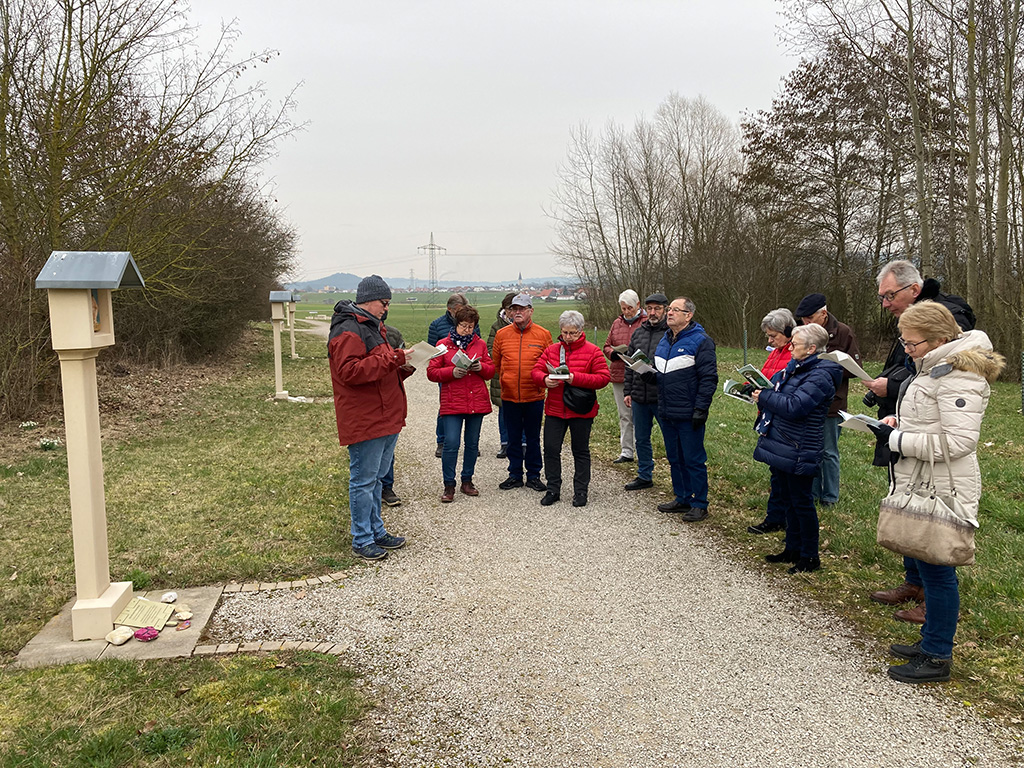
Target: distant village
{"points": [[548, 290]]}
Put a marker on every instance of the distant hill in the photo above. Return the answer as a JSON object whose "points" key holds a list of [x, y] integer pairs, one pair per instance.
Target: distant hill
{"points": [[344, 281]]}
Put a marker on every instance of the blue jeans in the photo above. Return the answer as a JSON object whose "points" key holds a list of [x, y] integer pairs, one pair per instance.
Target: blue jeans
{"points": [[826, 482], [523, 420], [684, 448], [942, 599], [913, 572], [453, 437], [793, 493], [388, 481], [502, 430], [439, 430], [368, 463], [643, 422]]}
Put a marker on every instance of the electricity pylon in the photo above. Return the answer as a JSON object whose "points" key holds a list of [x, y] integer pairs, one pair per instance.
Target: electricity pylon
{"points": [[432, 250]]}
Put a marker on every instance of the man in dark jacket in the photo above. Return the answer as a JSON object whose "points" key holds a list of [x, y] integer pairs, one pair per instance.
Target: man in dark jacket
{"points": [[899, 285], [439, 329], [686, 370], [812, 309], [369, 406], [500, 322], [641, 397]]}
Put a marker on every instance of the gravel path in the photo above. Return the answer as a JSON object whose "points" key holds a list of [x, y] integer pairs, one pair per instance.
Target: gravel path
{"points": [[612, 635]]}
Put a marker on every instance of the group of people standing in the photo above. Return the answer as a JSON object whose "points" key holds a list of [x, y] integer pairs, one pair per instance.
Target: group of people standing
{"points": [[935, 382]]}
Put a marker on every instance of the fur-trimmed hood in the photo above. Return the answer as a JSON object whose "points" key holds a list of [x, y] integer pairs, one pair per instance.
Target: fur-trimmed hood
{"points": [[971, 353]]}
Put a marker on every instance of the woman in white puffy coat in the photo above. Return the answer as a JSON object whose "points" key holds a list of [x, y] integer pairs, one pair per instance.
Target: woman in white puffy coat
{"points": [[947, 395]]}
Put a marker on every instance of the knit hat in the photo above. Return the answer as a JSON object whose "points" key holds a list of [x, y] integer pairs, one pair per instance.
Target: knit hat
{"points": [[810, 304], [372, 288], [656, 298]]}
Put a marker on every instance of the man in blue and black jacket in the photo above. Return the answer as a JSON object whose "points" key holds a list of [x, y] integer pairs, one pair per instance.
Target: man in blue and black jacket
{"points": [[687, 376]]}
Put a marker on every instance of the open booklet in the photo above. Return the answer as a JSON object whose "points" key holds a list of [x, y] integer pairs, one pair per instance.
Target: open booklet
{"points": [[734, 389], [462, 360], [421, 352], [848, 363], [753, 377], [638, 362], [858, 421], [561, 373]]}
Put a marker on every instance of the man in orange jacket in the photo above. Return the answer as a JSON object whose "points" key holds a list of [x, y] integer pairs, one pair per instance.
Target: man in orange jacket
{"points": [[516, 348]]}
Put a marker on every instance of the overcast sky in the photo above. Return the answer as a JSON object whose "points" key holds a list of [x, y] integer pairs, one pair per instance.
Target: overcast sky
{"points": [[452, 116]]}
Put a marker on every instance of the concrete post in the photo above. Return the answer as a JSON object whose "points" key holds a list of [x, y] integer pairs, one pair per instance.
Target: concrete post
{"points": [[291, 326], [277, 318]]}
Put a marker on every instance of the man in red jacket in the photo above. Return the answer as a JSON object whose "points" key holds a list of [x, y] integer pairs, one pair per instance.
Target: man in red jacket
{"points": [[370, 408]]}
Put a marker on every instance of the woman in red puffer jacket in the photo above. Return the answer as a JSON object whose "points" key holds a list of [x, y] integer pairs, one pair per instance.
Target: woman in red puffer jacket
{"points": [[465, 399], [588, 372]]}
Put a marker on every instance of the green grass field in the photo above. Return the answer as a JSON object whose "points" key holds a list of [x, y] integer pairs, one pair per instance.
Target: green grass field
{"points": [[231, 485]]}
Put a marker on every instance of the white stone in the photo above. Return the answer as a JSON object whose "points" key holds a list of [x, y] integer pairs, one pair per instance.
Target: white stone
{"points": [[120, 635]]}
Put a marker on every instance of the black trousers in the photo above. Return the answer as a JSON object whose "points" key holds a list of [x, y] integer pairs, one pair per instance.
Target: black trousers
{"points": [[579, 441]]}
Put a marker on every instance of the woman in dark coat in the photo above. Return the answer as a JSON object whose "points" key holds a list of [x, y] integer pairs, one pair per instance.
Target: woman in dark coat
{"points": [[791, 429]]}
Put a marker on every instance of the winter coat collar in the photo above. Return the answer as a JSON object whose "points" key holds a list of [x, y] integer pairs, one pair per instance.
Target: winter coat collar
{"points": [[692, 328], [640, 316], [971, 353]]}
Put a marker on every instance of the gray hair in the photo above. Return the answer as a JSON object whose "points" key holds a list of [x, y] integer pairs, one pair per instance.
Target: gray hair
{"points": [[571, 319], [778, 320], [904, 272], [456, 300], [688, 304], [630, 297], [813, 334]]}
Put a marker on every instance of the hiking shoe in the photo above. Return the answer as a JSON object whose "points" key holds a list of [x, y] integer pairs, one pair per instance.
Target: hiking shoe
{"points": [[389, 497], [623, 460], [921, 669], [806, 565], [370, 552], [673, 506], [511, 482], [449, 494], [765, 527], [905, 651], [503, 453], [785, 556], [579, 500], [468, 488], [638, 483], [390, 541], [694, 514], [904, 593], [440, 449], [913, 615], [536, 484], [549, 499]]}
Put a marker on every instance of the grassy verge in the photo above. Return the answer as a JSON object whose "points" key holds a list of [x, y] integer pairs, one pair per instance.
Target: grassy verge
{"points": [[279, 710]]}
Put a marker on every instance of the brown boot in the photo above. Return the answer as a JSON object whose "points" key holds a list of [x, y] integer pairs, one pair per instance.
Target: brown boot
{"points": [[904, 593], [913, 615], [448, 495], [469, 489]]}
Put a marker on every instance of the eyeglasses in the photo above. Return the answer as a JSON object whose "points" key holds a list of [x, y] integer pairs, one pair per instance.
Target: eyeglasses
{"points": [[516, 310], [912, 345], [385, 302], [890, 295], [677, 309]]}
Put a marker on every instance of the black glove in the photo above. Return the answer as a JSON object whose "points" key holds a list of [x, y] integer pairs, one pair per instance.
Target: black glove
{"points": [[649, 377], [882, 432], [613, 355], [700, 418]]}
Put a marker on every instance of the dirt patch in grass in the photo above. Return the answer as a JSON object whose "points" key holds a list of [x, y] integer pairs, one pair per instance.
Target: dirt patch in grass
{"points": [[133, 397]]}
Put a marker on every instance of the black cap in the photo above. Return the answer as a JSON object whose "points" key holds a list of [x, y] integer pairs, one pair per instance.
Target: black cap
{"points": [[656, 298], [810, 304]]}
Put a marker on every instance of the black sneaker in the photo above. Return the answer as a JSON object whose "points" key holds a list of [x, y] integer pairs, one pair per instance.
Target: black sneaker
{"points": [[389, 497], [905, 651], [440, 449], [503, 453], [579, 500], [694, 514], [785, 556], [549, 499], [536, 484], [673, 506], [765, 527], [511, 482], [806, 565], [921, 669], [623, 460], [638, 483]]}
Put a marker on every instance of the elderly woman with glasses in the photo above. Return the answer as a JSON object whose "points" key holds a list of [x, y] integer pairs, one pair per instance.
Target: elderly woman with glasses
{"points": [[938, 418], [463, 372], [791, 441], [778, 326], [572, 369]]}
